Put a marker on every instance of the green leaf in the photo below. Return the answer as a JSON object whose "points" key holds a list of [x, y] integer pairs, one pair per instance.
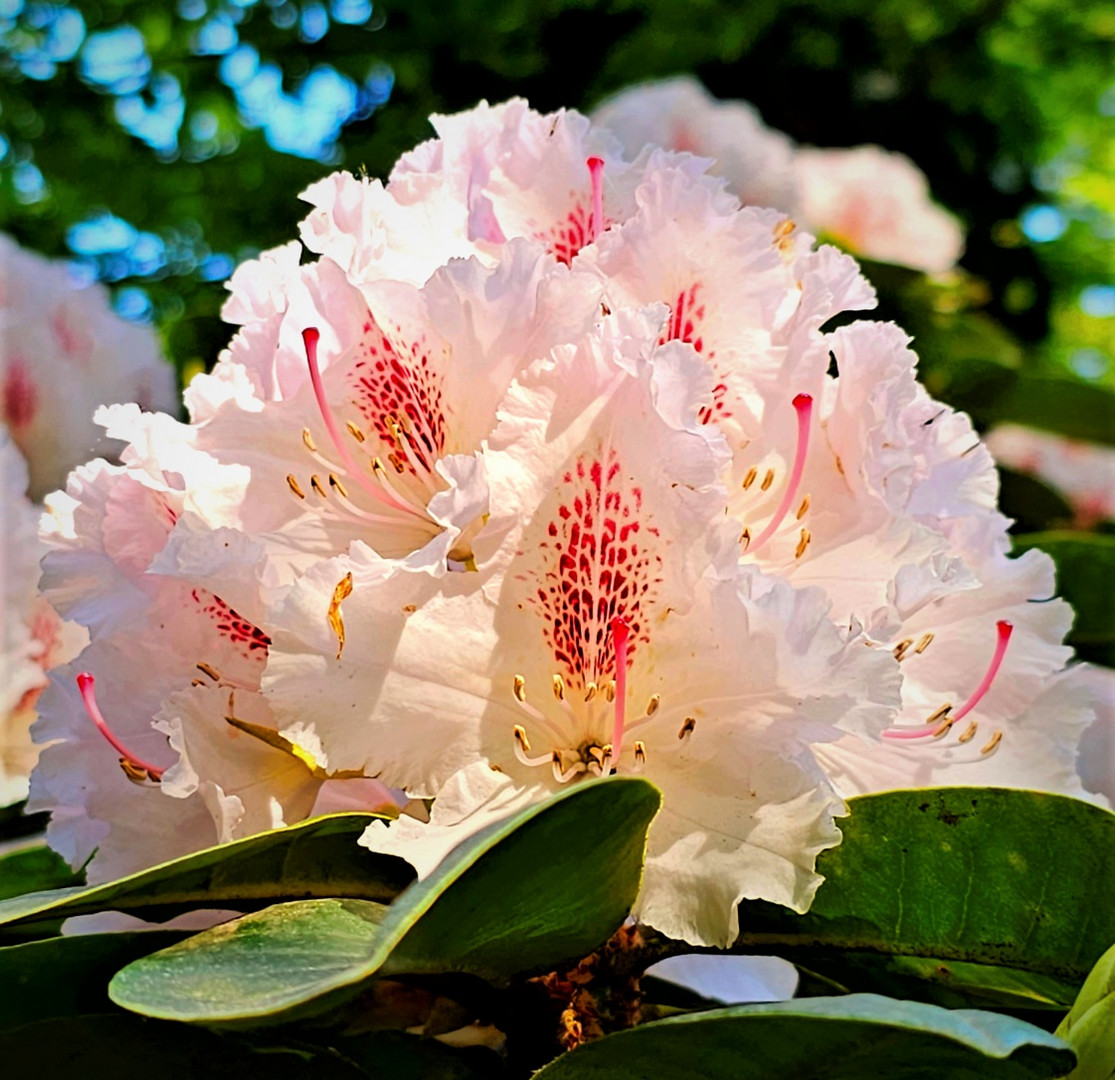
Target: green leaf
{"points": [[313, 858], [546, 885], [1086, 579], [1017, 880], [844, 1038], [68, 976], [34, 868], [1065, 406], [119, 1045], [1089, 1027]]}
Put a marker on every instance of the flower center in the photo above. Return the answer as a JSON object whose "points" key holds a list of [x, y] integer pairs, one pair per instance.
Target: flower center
{"points": [[135, 768], [942, 720]]}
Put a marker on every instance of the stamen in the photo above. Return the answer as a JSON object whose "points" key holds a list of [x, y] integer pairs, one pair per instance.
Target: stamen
{"points": [[610, 691], [621, 630], [310, 338], [590, 691], [749, 479], [308, 440], [354, 431], [596, 175], [335, 483], [293, 485], [923, 644], [640, 753], [901, 647], [803, 543], [687, 729], [936, 724], [520, 691], [522, 749], [564, 777], [559, 687], [315, 483], [745, 538], [653, 703], [992, 743], [803, 406], [804, 508], [135, 768], [969, 732], [1004, 629], [333, 615], [208, 669]]}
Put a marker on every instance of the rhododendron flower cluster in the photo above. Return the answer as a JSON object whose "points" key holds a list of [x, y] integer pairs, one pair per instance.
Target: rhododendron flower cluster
{"points": [[541, 466], [871, 201]]}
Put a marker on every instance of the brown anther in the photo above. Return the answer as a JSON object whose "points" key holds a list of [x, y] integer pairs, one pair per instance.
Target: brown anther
{"points": [[745, 538], [294, 486], [208, 669], [749, 479], [198, 682], [354, 431], [308, 440], [803, 543], [315, 483], [939, 714], [559, 687], [653, 703], [804, 508], [396, 461], [767, 480], [640, 751], [969, 732], [992, 743], [378, 469], [334, 481], [591, 691], [519, 688], [610, 690], [687, 727], [520, 733], [900, 651], [555, 757], [782, 230], [409, 609], [136, 773], [333, 615], [924, 643]]}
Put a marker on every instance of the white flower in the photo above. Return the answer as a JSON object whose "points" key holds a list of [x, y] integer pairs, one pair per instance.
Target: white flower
{"points": [[612, 629], [34, 637], [1084, 473], [66, 352]]}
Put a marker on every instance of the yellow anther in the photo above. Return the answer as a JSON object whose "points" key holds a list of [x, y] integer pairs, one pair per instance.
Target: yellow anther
{"points": [[596, 753], [939, 714], [900, 650], [610, 690], [749, 479], [783, 229], [520, 688], [315, 483], [559, 687], [208, 669], [521, 737], [293, 485], [590, 691], [687, 727], [333, 616], [923, 644], [136, 773], [969, 732], [378, 469], [804, 508], [652, 705], [308, 439], [335, 481], [767, 480], [397, 462], [803, 543], [354, 431], [992, 743]]}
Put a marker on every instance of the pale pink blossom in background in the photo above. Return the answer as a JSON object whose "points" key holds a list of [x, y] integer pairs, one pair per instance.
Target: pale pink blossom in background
{"points": [[871, 201], [63, 352], [1083, 473]]}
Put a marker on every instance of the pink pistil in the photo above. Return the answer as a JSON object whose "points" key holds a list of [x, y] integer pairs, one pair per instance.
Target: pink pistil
{"points": [[803, 405], [1005, 629], [310, 338], [85, 683], [621, 631], [596, 173]]}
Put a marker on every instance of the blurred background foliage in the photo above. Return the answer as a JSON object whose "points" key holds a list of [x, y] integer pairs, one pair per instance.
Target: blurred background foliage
{"points": [[158, 143]]}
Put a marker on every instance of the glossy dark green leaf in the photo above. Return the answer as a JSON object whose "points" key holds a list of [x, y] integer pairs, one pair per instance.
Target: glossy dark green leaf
{"points": [[524, 894], [33, 869], [1086, 579], [1089, 1027], [1063, 405], [1018, 880], [844, 1038], [313, 858], [68, 976]]}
